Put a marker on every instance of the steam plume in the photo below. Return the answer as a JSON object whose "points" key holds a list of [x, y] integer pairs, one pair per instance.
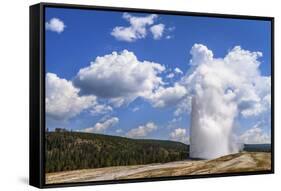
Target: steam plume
{"points": [[220, 89], [212, 124]]}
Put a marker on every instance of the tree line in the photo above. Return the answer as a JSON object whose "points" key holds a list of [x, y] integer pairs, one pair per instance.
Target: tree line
{"points": [[75, 150]]}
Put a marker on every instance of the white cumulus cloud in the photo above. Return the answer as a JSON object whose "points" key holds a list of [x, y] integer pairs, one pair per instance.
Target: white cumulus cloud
{"points": [[142, 131], [170, 75], [180, 135], [178, 71], [255, 135], [62, 99], [121, 77], [102, 126], [55, 25], [136, 30], [64, 102], [200, 54], [157, 31], [135, 109], [163, 97], [183, 106], [99, 109]]}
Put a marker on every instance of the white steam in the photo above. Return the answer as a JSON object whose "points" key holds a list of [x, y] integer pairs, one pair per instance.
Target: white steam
{"points": [[221, 89], [212, 123]]}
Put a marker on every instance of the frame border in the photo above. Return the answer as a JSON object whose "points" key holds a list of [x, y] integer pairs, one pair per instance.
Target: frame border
{"points": [[37, 88]]}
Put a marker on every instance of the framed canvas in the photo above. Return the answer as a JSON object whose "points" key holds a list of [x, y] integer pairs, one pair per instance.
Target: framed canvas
{"points": [[123, 95]]}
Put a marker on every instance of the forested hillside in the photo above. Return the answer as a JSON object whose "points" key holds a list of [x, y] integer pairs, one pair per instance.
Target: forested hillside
{"points": [[75, 150], [257, 147]]}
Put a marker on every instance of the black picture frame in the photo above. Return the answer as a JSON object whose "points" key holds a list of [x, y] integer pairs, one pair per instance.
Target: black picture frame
{"points": [[37, 93]]}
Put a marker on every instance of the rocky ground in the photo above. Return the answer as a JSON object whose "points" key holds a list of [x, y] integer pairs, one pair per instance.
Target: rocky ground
{"points": [[240, 162]]}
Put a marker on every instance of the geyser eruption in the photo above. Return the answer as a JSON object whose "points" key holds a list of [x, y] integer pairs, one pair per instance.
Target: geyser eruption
{"points": [[219, 88], [212, 120], [213, 110]]}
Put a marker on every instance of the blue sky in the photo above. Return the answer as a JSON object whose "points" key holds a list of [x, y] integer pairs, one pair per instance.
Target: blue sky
{"points": [[87, 34]]}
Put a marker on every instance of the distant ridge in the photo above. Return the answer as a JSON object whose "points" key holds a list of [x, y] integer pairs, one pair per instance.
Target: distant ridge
{"points": [[77, 150], [257, 147]]}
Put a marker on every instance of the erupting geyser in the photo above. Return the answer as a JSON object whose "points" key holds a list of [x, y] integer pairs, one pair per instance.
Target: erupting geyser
{"points": [[214, 105], [211, 126]]}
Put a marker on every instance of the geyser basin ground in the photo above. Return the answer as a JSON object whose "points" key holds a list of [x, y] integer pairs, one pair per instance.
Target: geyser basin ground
{"points": [[240, 162]]}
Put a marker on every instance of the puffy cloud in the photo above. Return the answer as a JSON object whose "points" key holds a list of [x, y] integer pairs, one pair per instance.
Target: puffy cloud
{"points": [[119, 131], [142, 130], [119, 101], [136, 30], [255, 135], [244, 62], [163, 97], [184, 106], [174, 122], [256, 99], [157, 31], [135, 109], [63, 100], [102, 126], [55, 25], [170, 75], [100, 109], [180, 135], [200, 54], [168, 37], [121, 77], [178, 71], [169, 30], [252, 90]]}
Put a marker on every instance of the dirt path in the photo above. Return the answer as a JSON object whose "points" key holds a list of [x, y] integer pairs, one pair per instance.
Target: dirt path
{"points": [[231, 163]]}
